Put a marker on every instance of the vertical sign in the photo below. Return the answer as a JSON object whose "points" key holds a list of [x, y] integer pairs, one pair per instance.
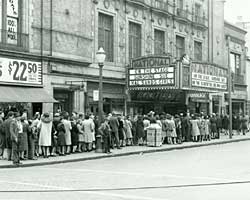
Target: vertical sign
{"points": [[11, 30], [12, 21], [12, 8], [95, 95]]}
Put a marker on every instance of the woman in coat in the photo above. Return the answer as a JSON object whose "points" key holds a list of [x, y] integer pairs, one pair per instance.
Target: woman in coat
{"points": [[171, 130], [88, 128], [244, 124], [45, 128], [61, 137], [74, 134], [67, 126], [128, 130], [195, 123]]}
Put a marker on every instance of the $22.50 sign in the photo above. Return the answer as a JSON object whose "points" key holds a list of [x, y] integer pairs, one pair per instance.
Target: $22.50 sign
{"points": [[20, 72]]}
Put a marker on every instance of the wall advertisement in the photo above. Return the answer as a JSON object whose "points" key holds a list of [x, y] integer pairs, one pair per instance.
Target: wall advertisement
{"points": [[16, 72], [209, 76]]}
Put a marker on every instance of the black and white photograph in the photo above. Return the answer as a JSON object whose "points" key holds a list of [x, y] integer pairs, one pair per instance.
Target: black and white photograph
{"points": [[124, 99]]}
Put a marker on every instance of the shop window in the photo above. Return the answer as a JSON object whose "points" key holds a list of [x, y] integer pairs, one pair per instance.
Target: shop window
{"points": [[106, 35], [197, 51], [235, 62], [180, 46], [159, 42], [134, 40]]}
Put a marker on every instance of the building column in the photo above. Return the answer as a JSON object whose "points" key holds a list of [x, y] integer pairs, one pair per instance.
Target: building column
{"points": [[210, 97]]}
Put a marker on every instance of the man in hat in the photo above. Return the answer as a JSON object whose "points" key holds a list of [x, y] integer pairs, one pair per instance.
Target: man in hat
{"points": [[15, 129], [114, 124], [6, 132]]}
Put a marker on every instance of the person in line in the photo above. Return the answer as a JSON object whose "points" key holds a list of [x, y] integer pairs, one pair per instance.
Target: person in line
{"points": [[23, 137], [88, 129], [61, 137], [128, 130], [35, 131], [80, 133], [171, 130], [15, 129], [68, 128], [74, 133], [105, 130], [114, 125], [195, 124], [213, 126], [45, 129], [2, 136], [7, 134]]}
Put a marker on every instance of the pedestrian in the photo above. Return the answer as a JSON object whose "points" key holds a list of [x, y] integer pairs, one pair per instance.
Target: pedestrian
{"points": [[114, 125], [15, 129], [186, 125], [7, 135], [164, 128], [218, 125], [2, 136], [140, 130], [213, 125], [244, 124], [80, 133], [207, 129], [203, 128], [146, 124], [225, 124], [128, 130], [195, 124], [45, 129], [74, 133], [171, 130], [88, 129], [67, 135], [23, 137], [35, 133], [121, 131], [105, 130], [61, 143], [177, 121]]}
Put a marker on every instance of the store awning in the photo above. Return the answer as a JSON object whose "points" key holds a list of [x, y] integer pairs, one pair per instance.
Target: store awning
{"points": [[24, 95]]}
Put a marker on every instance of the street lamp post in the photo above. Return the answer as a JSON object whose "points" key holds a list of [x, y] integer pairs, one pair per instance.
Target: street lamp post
{"points": [[229, 90], [100, 56]]}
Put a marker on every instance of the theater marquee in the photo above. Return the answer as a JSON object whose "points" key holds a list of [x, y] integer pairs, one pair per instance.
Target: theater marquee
{"points": [[151, 72], [209, 76]]}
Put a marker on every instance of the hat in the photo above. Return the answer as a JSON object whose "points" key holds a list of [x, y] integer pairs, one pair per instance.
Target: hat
{"points": [[168, 116], [46, 114], [57, 115]]}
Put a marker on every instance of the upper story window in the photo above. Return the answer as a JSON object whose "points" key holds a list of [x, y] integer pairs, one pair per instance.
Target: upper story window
{"points": [[180, 46], [134, 40], [235, 62], [159, 42], [106, 35], [197, 51], [180, 4], [197, 10], [158, 3]]}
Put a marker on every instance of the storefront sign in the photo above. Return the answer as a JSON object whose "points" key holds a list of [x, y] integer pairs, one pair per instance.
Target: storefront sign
{"points": [[209, 76], [151, 71], [11, 30], [15, 71], [12, 8]]}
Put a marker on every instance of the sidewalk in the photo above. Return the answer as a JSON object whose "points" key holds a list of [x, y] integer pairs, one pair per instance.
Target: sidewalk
{"points": [[130, 150]]}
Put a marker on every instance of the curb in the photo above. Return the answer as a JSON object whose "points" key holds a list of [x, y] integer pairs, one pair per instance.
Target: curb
{"points": [[124, 154]]}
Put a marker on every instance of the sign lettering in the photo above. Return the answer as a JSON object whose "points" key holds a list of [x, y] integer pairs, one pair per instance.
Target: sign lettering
{"points": [[151, 71], [20, 72], [11, 30]]}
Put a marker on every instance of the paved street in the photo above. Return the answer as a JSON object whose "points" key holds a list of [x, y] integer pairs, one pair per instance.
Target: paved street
{"points": [[213, 172]]}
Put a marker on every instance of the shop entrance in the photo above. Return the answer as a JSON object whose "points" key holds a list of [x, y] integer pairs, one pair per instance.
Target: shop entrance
{"points": [[65, 100], [37, 107]]}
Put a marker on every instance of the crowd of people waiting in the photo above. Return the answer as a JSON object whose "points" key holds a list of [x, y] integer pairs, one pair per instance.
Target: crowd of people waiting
{"points": [[62, 134]]}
